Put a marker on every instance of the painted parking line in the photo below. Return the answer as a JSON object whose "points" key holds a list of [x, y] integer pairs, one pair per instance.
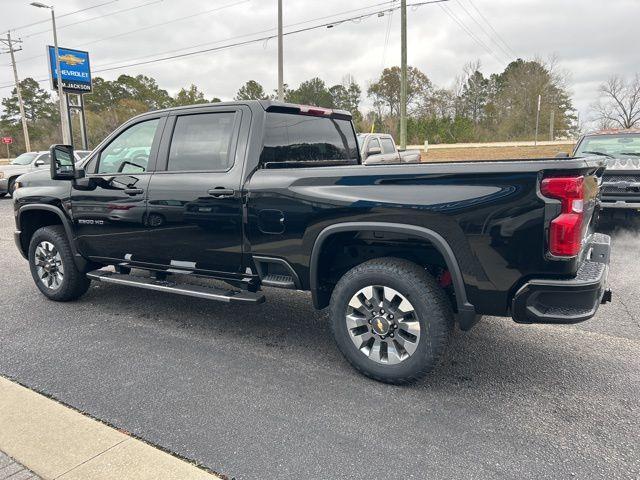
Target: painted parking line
{"points": [[57, 442]]}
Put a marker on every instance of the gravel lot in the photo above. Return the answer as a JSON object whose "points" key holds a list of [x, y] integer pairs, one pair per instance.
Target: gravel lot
{"points": [[262, 392]]}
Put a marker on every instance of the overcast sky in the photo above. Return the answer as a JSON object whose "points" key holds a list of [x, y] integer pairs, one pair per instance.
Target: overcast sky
{"points": [[591, 39]]}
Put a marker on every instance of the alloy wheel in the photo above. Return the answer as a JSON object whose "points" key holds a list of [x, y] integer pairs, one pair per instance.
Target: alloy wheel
{"points": [[48, 264], [382, 324]]}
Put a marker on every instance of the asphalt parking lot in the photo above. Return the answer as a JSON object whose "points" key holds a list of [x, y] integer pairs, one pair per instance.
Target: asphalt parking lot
{"points": [[262, 392]]}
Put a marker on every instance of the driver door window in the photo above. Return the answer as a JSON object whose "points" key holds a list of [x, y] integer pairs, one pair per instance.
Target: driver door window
{"points": [[129, 152]]}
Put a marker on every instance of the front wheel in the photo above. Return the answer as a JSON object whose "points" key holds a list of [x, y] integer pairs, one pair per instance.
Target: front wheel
{"points": [[391, 320], [52, 266], [11, 187]]}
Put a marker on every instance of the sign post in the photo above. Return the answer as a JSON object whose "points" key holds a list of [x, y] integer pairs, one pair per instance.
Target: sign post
{"points": [[75, 78], [7, 141]]}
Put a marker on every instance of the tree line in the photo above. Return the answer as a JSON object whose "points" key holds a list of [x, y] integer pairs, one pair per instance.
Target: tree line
{"points": [[477, 107]]}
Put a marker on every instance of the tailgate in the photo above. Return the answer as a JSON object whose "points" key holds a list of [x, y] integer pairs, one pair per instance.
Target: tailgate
{"points": [[572, 206]]}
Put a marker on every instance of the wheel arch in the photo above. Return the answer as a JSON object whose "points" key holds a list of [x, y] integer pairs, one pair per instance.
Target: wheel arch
{"points": [[34, 216], [465, 310]]}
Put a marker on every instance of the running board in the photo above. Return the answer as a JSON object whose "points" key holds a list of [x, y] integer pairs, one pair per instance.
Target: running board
{"points": [[210, 293]]}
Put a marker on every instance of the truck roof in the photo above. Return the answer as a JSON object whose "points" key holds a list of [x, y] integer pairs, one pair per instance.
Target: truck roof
{"points": [[269, 106], [614, 131]]}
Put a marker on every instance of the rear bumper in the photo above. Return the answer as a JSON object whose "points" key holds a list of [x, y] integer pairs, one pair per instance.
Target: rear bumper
{"points": [[567, 301]]}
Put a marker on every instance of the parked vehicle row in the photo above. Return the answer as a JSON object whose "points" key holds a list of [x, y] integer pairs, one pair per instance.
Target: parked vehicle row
{"points": [[27, 162], [260, 193]]}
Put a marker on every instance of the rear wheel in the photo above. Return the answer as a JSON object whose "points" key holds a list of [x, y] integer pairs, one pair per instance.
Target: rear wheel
{"points": [[52, 266], [391, 320]]}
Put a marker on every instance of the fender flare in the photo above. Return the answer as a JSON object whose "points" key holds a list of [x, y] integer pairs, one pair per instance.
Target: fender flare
{"points": [[79, 260], [466, 311]]}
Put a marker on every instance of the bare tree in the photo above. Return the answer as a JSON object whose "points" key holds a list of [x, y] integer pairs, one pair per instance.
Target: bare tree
{"points": [[619, 103]]}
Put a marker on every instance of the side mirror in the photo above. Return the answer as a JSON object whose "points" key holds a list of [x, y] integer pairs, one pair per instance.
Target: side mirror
{"points": [[38, 163], [62, 162], [374, 151]]}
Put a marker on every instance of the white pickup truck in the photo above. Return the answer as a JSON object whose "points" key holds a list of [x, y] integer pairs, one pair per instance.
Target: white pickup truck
{"points": [[379, 148]]}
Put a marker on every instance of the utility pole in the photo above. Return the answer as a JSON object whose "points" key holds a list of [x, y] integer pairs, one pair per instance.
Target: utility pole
{"points": [[280, 51], [403, 75], [552, 125], [535, 142], [9, 43]]}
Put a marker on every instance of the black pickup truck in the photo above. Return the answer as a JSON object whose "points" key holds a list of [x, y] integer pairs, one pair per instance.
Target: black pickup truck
{"points": [[258, 194]]}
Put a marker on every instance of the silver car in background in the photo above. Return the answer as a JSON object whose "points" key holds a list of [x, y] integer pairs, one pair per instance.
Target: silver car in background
{"points": [[25, 163]]}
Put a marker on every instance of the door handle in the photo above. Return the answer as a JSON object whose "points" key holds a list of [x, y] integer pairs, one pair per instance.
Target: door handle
{"points": [[220, 192], [133, 191]]}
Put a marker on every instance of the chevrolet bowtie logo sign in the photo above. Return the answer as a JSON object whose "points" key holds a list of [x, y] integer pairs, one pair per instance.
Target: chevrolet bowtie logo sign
{"points": [[71, 59], [75, 69]]}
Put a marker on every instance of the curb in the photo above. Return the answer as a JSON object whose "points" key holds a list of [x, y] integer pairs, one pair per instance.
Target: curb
{"points": [[58, 442]]}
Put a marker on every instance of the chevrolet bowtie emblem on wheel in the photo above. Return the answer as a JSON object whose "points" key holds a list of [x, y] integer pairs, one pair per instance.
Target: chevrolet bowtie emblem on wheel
{"points": [[380, 325], [71, 59]]}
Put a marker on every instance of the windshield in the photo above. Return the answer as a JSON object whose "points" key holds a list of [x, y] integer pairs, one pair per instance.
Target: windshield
{"points": [[617, 146], [24, 159], [360, 140]]}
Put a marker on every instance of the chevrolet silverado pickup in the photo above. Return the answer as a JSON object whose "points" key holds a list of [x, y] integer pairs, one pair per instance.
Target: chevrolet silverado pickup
{"points": [[621, 179], [218, 201]]}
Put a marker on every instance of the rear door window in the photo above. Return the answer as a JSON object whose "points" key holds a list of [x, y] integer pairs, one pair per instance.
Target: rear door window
{"points": [[45, 159], [387, 145], [202, 142], [307, 140]]}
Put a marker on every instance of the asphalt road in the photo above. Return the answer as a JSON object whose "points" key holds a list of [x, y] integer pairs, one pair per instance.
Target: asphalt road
{"points": [[262, 392]]}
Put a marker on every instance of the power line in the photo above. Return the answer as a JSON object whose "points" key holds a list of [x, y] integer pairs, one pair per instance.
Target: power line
{"points": [[484, 30], [266, 38], [61, 16], [464, 27], [24, 60], [222, 7], [256, 40], [94, 18], [491, 27], [35, 57]]}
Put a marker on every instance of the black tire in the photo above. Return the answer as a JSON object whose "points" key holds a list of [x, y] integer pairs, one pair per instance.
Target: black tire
{"points": [[432, 310], [11, 186], [74, 282]]}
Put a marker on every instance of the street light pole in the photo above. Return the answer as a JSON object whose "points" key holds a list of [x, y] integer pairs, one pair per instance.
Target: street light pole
{"points": [[403, 75], [280, 52], [64, 119]]}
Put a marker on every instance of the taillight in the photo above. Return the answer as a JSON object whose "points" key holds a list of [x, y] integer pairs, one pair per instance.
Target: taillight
{"points": [[566, 230]]}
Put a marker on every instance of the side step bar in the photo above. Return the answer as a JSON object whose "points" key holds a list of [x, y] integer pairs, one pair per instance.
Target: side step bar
{"points": [[279, 281], [210, 293]]}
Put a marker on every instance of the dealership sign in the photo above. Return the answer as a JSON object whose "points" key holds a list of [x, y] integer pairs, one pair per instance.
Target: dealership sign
{"points": [[75, 70]]}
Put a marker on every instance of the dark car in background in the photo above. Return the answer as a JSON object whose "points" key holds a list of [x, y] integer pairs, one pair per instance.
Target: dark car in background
{"points": [[621, 179]]}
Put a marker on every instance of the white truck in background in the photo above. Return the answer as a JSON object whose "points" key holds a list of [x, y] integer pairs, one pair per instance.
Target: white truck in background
{"points": [[380, 148]]}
